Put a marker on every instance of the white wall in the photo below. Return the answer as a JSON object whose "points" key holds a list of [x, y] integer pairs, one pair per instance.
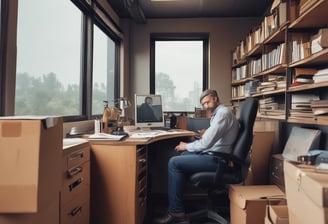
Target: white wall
{"points": [[225, 34]]}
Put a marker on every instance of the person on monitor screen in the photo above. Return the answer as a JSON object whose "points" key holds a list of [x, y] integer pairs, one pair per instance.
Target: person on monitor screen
{"points": [[146, 111], [219, 136]]}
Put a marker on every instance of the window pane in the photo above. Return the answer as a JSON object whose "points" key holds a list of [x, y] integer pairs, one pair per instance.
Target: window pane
{"points": [[179, 74], [103, 71], [48, 58]]}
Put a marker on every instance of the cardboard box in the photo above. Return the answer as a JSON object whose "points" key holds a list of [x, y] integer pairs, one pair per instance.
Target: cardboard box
{"points": [[319, 41], [307, 194], [31, 150], [261, 153], [276, 214], [248, 203]]}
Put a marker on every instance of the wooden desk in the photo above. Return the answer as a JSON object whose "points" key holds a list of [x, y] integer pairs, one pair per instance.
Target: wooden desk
{"points": [[119, 178]]}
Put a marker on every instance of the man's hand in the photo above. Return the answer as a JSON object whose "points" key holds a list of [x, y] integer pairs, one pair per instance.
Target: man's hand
{"points": [[199, 134], [181, 147]]}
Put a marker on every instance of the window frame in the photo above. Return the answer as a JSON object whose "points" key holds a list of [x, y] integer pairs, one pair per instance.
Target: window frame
{"points": [[4, 8], [178, 37]]}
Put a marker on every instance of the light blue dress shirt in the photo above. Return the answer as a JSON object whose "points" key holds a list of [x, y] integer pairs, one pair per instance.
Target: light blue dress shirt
{"points": [[220, 135]]}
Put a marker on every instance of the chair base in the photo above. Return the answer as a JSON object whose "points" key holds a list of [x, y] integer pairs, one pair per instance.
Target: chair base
{"points": [[209, 214]]}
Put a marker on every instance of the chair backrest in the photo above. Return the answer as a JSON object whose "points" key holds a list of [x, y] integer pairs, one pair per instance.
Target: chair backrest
{"points": [[239, 154], [247, 115]]}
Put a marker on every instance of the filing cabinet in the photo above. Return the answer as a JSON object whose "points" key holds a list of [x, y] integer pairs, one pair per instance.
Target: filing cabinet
{"points": [[75, 190], [277, 171]]}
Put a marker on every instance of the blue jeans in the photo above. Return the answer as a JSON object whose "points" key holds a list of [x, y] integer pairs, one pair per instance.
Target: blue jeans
{"points": [[180, 167]]}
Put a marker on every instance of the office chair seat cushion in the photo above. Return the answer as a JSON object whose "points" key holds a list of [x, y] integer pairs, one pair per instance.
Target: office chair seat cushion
{"points": [[207, 180]]}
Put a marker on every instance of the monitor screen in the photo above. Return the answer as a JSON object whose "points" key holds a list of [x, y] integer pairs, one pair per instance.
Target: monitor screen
{"points": [[148, 111]]}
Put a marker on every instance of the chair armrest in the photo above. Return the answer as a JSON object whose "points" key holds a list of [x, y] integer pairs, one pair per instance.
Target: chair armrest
{"points": [[223, 155]]}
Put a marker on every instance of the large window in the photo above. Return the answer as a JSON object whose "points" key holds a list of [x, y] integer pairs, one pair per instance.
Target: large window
{"points": [[179, 72], [48, 58], [62, 69]]}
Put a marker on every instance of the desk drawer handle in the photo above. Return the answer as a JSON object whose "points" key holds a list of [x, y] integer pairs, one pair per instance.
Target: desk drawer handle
{"points": [[75, 184], [76, 155], [76, 210], [74, 171], [143, 161]]}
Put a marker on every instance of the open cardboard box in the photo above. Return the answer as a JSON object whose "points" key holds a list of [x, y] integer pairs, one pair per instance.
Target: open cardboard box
{"points": [[248, 203], [306, 193], [276, 214]]}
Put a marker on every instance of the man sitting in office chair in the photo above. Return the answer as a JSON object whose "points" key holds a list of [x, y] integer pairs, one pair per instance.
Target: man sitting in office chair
{"points": [[220, 136]]}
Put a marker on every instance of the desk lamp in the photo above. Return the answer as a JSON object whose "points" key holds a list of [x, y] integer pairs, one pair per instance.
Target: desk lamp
{"points": [[123, 103]]}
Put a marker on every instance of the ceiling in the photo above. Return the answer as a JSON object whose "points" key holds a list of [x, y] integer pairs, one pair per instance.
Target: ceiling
{"points": [[141, 10]]}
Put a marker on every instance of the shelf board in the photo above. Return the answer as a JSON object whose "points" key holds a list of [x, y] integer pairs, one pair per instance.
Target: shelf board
{"points": [[319, 120], [256, 50], [238, 82], [302, 120], [318, 58], [315, 16], [277, 37], [239, 63], [271, 117], [307, 86], [269, 92], [238, 98], [278, 69]]}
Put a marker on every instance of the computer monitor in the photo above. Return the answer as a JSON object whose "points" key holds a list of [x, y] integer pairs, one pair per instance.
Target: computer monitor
{"points": [[148, 111]]}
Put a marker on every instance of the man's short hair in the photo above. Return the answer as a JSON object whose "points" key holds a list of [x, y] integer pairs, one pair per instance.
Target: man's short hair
{"points": [[209, 92]]}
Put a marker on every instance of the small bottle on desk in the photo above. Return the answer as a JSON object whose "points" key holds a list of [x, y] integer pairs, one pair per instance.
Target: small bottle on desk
{"points": [[105, 117]]}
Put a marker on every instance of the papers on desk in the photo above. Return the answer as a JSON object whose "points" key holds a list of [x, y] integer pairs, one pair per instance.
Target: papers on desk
{"points": [[151, 134], [105, 136]]}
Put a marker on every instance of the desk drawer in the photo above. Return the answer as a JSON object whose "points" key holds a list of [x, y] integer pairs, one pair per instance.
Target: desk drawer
{"points": [[76, 211], [74, 186], [277, 171], [76, 156]]}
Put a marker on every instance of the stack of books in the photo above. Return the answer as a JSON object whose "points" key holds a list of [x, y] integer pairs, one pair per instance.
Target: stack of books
{"points": [[321, 75], [280, 81], [301, 105], [319, 107], [303, 76], [251, 87], [268, 106], [266, 86]]}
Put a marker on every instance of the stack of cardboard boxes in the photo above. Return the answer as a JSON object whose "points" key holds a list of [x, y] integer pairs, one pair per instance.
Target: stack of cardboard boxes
{"points": [[304, 197]]}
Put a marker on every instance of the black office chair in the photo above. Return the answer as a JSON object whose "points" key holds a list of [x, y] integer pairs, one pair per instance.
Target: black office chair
{"points": [[240, 157]]}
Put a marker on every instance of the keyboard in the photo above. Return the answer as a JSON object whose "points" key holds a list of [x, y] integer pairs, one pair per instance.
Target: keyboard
{"points": [[160, 128]]}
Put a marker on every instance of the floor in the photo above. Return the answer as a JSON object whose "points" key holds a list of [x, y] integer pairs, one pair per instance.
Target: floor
{"points": [[158, 207]]}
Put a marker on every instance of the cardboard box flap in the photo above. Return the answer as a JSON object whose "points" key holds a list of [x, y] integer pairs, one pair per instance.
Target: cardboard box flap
{"points": [[242, 195], [300, 140], [47, 121], [278, 214], [313, 184]]}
